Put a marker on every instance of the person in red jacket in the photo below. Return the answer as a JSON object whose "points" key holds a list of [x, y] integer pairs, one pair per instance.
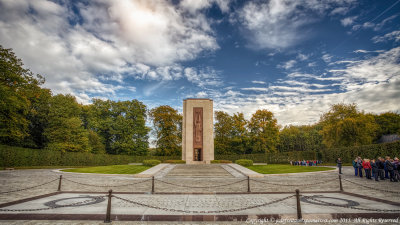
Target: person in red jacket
{"points": [[367, 168]]}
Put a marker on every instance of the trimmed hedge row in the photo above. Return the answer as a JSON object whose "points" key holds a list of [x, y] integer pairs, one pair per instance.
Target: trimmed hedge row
{"points": [[19, 157], [244, 162], [366, 151], [151, 162]]}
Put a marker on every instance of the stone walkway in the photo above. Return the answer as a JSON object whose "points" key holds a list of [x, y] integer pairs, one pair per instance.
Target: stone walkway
{"points": [[169, 180], [198, 171]]}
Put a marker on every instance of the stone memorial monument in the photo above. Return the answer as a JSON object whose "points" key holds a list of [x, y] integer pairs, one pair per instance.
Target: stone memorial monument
{"points": [[197, 131]]}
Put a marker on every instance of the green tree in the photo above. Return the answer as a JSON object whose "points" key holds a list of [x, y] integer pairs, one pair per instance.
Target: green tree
{"points": [[167, 127], [240, 135], [388, 122], [345, 126], [223, 133], [37, 116], [15, 85], [64, 130], [96, 143], [121, 125], [264, 131], [300, 138]]}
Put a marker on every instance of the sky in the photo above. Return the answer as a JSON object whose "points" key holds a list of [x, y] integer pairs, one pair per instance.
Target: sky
{"points": [[293, 57]]}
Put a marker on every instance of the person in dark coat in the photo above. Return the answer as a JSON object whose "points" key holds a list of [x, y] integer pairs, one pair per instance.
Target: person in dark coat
{"points": [[396, 164], [390, 168], [359, 166], [381, 168], [374, 169], [355, 167], [339, 165]]}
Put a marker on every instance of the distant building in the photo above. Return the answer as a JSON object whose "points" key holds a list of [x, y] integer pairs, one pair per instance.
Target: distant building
{"points": [[389, 138]]}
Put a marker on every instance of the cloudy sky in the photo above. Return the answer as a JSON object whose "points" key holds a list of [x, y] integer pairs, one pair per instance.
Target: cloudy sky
{"points": [[292, 57]]}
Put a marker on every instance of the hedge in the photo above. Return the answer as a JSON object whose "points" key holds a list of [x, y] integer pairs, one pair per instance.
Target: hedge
{"points": [[19, 157], [220, 161], [365, 151], [151, 162], [244, 162], [175, 161]]}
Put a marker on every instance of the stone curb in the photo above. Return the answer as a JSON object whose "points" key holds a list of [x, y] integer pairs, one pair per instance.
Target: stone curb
{"points": [[245, 171], [152, 171]]}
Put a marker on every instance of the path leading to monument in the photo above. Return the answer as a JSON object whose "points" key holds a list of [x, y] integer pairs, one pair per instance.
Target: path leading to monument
{"points": [[198, 171]]}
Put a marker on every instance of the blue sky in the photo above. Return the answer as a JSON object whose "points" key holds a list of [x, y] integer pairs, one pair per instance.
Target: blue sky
{"points": [[294, 58]]}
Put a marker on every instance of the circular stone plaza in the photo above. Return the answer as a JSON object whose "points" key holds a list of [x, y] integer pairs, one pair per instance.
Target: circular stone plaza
{"points": [[200, 194]]}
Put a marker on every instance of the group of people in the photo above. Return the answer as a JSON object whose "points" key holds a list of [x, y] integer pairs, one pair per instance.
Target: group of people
{"points": [[305, 163], [383, 168]]}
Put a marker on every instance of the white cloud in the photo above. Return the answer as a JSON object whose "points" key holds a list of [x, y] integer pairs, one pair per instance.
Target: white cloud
{"points": [[255, 89], [276, 24], [372, 83], [370, 24], [202, 77], [287, 65], [107, 42], [394, 35], [366, 51], [327, 58], [302, 57], [201, 94], [348, 20], [257, 82]]}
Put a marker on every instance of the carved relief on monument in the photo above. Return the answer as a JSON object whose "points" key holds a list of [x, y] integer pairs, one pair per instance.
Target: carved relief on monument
{"points": [[197, 127]]}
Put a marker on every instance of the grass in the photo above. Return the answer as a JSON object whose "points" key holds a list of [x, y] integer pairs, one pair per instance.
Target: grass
{"points": [[278, 168], [114, 169]]}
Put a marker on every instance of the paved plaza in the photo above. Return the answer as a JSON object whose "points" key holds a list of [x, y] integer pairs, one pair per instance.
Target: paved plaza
{"points": [[214, 192]]}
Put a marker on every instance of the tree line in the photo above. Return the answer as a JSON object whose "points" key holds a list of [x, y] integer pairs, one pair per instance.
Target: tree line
{"points": [[31, 116], [342, 126]]}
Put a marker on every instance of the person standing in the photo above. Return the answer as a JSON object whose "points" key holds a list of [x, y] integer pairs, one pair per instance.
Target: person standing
{"points": [[367, 168], [381, 168], [374, 168], [339, 165], [355, 167], [390, 168], [359, 166], [396, 164]]}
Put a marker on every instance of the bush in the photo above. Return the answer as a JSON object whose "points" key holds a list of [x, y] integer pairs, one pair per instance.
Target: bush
{"points": [[11, 156], [244, 162], [221, 161], [151, 162], [175, 161]]}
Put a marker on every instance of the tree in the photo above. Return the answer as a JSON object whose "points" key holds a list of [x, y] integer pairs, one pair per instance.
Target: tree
{"points": [[167, 127], [300, 138], [121, 125], [345, 126], [37, 116], [388, 122], [223, 133], [15, 85], [264, 131], [64, 130], [240, 134]]}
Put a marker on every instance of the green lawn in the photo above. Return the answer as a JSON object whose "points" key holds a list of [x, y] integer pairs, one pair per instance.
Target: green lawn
{"points": [[115, 169], [278, 168]]}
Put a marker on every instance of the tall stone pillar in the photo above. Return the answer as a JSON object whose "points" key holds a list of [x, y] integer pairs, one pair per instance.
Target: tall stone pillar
{"points": [[197, 131]]}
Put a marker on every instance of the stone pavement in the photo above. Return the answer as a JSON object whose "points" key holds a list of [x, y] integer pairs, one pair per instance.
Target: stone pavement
{"points": [[223, 181]]}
